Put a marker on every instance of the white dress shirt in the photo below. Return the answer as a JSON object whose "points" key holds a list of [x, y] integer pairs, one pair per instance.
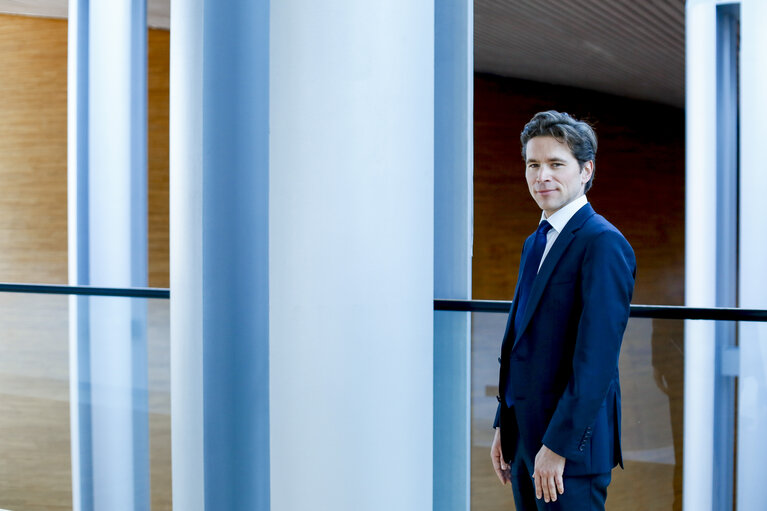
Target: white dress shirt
{"points": [[558, 222]]}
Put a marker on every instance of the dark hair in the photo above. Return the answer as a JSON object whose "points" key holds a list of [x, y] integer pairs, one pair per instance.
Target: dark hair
{"points": [[578, 135]]}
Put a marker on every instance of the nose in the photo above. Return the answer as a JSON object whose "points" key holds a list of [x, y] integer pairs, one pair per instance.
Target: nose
{"points": [[543, 173]]}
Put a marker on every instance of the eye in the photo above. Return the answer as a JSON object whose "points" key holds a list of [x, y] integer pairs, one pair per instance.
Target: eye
{"points": [[532, 165]]}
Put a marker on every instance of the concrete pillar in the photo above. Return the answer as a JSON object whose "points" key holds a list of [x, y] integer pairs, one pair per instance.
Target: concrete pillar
{"points": [[302, 265], [752, 384], [219, 177], [351, 254], [700, 254], [453, 223], [107, 247], [726, 249]]}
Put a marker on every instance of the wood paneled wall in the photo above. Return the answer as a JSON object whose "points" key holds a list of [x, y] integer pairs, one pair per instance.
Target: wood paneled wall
{"points": [[33, 151], [638, 185], [158, 113]]}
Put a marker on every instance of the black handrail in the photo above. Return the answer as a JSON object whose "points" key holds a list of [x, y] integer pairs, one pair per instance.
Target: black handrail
{"points": [[637, 311], [55, 289]]}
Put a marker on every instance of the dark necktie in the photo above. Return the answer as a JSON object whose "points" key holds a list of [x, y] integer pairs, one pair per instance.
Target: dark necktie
{"points": [[530, 270]]}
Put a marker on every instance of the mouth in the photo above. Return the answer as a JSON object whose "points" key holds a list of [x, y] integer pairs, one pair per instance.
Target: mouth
{"points": [[545, 192]]}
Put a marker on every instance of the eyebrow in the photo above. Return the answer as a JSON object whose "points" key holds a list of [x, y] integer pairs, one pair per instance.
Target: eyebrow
{"points": [[533, 160]]}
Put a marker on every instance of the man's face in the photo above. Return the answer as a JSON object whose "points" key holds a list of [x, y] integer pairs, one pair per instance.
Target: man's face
{"points": [[554, 176]]}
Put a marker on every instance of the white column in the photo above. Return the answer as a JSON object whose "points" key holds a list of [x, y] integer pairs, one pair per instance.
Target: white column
{"points": [[351, 254], [752, 388], [700, 253], [219, 176], [186, 303], [453, 222], [107, 193]]}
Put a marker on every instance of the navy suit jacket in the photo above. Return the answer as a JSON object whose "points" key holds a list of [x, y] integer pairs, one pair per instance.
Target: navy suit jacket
{"points": [[564, 359]]}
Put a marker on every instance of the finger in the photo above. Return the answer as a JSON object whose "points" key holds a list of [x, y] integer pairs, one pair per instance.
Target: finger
{"points": [[499, 456], [545, 489], [501, 475], [538, 487], [498, 464], [498, 471], [552, 490], [560, 484]]}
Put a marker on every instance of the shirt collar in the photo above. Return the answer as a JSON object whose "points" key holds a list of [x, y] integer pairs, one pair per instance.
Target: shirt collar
{"points": [[560, 218]]}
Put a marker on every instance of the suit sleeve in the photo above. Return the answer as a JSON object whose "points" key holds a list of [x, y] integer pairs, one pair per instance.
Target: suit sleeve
{"points": [[607, 285]]}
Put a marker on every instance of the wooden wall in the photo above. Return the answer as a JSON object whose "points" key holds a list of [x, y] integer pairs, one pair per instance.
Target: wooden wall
{"points": [[638, 185], [158, 75], [33, 151]]}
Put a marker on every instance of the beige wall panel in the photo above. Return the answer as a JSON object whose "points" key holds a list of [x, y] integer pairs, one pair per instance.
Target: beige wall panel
{"points": [[33, 151], [157, 149]]}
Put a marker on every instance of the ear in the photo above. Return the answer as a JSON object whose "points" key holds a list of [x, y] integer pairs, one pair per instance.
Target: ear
{"points": [[587, 171]]}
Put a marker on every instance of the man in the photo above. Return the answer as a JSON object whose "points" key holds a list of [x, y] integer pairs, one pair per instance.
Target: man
{"points": [[557, 429]]}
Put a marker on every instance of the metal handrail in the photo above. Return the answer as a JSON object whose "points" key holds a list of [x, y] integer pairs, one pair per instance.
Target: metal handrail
{"points": [[56, 289], [637, 311]]}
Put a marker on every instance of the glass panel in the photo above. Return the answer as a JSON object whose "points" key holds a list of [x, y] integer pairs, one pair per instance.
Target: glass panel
{"points": [[158, 346], [652, 384], [487, 493], [35, 431]]}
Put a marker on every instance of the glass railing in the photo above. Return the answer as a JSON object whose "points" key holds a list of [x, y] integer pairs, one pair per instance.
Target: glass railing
{"points": [[652, 367], [38, 387], [652, 378], [40, 443]]}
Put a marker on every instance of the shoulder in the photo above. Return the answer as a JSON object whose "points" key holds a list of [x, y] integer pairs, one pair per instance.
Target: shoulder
{"points": [[597, 226], [599, 235], [607, 252]]}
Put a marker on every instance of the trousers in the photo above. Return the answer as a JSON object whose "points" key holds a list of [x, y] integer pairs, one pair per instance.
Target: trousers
{"points": [[582, 493]]}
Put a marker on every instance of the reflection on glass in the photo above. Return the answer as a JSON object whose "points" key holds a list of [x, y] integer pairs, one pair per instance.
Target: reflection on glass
{"points": [[35, 437], [652, 377]]}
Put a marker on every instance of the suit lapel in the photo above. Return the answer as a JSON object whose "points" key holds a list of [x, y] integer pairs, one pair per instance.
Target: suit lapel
{"points": [[550, 262], [508, 332]]}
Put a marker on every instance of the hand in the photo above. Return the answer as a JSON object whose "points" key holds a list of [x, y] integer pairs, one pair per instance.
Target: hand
{"points": [[501, 467], [549, 467]]}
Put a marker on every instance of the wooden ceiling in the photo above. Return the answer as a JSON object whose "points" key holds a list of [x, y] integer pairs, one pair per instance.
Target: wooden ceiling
{"points": [[622, 47]]}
